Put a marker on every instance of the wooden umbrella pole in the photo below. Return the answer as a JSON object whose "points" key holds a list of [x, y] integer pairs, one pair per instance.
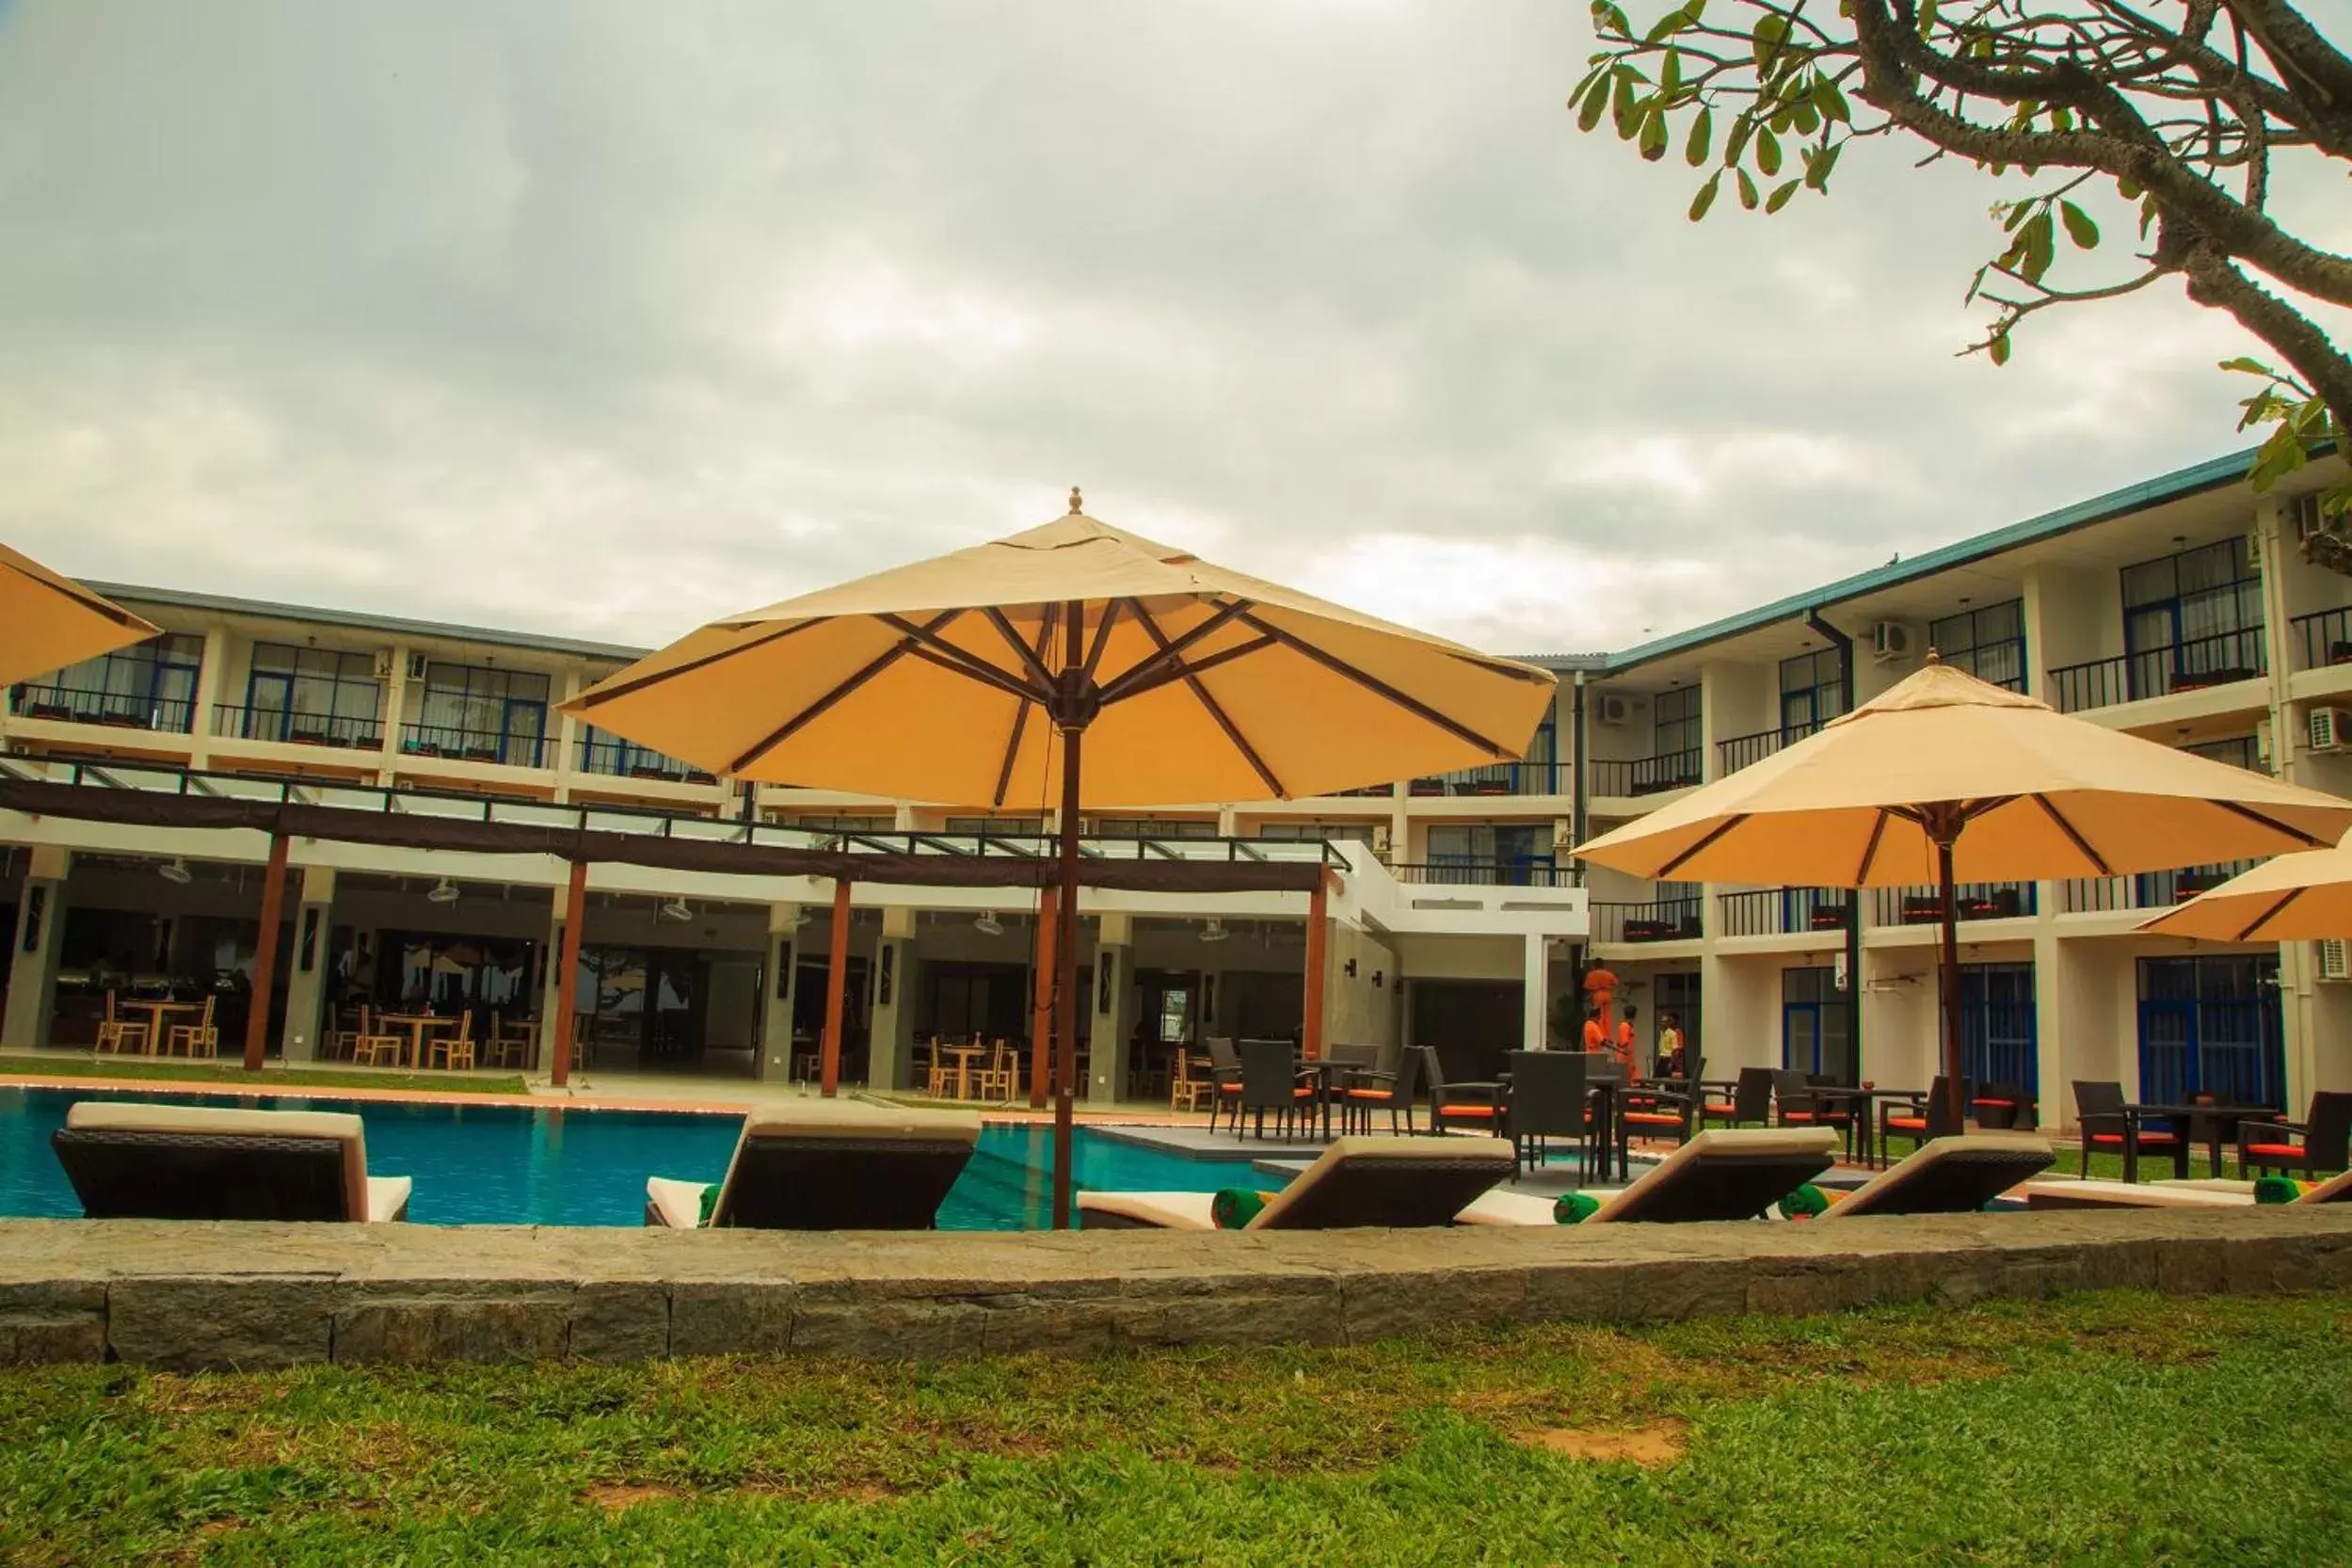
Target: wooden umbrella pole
{"points": [[1953, 1094], [264, 957], [1042, 970], [1076, 702]]}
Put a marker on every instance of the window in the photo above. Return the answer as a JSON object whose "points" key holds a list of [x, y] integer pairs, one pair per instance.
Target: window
{"points": [[2239, 751], [482, 716], [1997, 1025], [1988, 643], [1013, 828], [1502, 855], [1812, 693], [1306, 832], [1152, 827], [844, 824], [2193, 619], [316, 694], [602, 751], [1674, 723], [2212, 1024], [151, 686]]}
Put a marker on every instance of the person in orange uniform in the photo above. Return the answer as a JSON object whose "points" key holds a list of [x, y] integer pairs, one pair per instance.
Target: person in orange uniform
{"points": [[1593, 1038], [1624, 1042]]}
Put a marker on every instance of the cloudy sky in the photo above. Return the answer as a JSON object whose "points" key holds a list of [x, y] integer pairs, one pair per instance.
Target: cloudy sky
{"points": [[609, 318]]}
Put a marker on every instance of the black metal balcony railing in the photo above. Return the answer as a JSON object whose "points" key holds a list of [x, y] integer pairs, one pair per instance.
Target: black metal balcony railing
{"points": [[1384, 791], [1778, 911], [2323, 637], [2149, 890], [1742, 751], [621, 760], [471, 746], [1499, 779], [1658, 920], [2184, 666], [1490, 873], [234, 721], [115, 709], [1971, 900], [1648, 775]]}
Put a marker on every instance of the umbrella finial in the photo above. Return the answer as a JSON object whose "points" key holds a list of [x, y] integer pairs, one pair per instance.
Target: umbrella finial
{"points": [[1077, 502], [1933, 657]]}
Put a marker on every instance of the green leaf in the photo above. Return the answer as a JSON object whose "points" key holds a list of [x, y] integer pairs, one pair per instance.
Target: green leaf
{"points": [[1653, 134], [1595, 105], [1926, 17], [1818, 165], [2248, 367], [1746, 191], [1802, 115], [1670, 74], [1999, 349], [2079, 227], [2127, 188], [2147, 215], [1780, 196], [1742, 129], [1622, 105], [2039, 240], [1706, 198], [1694, 151], [1769, 38], [1831, 101], [1768, 153]]}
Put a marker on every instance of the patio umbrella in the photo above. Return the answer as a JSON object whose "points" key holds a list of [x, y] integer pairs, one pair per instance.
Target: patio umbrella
{"points": [[976, 677], [2295, 898], [1945, 778], [48, 622]]}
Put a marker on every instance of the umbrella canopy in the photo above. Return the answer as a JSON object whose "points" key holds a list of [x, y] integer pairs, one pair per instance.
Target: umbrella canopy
{"points": [[2295, 898], [48, 622], [932, 682], [974, 678], [1947, 778]]}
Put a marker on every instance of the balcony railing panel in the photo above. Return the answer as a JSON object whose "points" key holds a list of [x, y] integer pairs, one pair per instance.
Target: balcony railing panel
{"points": [[1499, 779], [472, 746], [2322, 638], [1489, 873], [1647, 776], [1746, 750], [114, 710], [621, 760], [1971, 900], [1657, 920], [2149, 890], [1777, 911], [234, 721], [2193, 666]]}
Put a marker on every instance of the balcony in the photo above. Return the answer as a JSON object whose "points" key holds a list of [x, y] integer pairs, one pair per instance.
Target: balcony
{"points": [[1971, 900], [1649, 776], [619, 758], [1746, 750], [471, 746], [1658, 920], [1488, 874], [2195, 665], [112, 709], [234, 721], [1779, 911], [2322, 638], [1499, 779], [2150, 891]]}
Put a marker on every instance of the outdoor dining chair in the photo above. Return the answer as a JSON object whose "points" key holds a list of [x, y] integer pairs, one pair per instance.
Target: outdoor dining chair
{"points": [[1922, 1121], [1225, 1077], [1480, 1105], [117, 1034], [2322, 1141], [203, 1037], [1750, 1101], [455, 1051], [1801, 1106], [2002, 1107], [1550, 1098], [1664, 1110], [2098, 1113], [1271, 1081], [1393, 1092]]}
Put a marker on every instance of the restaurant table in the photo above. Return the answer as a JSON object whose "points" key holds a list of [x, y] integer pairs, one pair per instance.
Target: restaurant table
{"points": [[416, 1024], [1863, 1102], [1323, 1072], [963, 1055], [156, 1013], [2217, 1118]]}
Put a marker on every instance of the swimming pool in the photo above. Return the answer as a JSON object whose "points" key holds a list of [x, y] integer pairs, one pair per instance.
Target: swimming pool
{"points": [[509, 1165]]}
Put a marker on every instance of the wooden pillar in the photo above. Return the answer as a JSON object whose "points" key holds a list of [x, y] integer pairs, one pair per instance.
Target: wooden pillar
{"points": [[1041, 1005], [567, 978], [836, 992], [1317, 942], [266, 955]]}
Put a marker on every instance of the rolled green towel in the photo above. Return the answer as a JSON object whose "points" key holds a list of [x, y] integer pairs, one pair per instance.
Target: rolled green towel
{"points": [[709, 1203], [1571, 1209], [1236, 1207], [1804, 1203], [2279, 1188]]}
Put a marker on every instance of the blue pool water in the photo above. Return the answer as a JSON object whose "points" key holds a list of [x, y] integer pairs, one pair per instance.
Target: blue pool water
{"points": [[502, 1164]]}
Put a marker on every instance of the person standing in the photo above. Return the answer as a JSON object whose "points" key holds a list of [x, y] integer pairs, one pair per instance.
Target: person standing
{"points": [[1594, 1039], [1624, 1040], [1670, 1046]]}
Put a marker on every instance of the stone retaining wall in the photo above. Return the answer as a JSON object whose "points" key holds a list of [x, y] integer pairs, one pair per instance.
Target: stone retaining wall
{"points": [[206, 1295]]}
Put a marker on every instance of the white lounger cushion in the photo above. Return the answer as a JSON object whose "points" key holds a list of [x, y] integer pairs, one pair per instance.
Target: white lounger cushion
{"points": [[2175, 1194], [1716, 1141], [1191, 1211], [360, 1203], [1498, 1207], [388, 1197], [1922, 1162], [679, 1204], [1164, 1210]]}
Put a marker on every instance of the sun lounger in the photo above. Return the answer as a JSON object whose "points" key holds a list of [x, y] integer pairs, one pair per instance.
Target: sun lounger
{"points": [[834, 1168], [1953, 1174], [2093, 1192], [1356, 1181], [1722, 1173], [137, 1162]]}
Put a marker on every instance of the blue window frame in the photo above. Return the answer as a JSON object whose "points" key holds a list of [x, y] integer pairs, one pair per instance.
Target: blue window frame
{"points": [[1999, 1033], [317, 695], [2212, 1025], [151, 686], [481, 715], [2193, 619], [1813, 1036], [1988, 643], [1812, 692]]}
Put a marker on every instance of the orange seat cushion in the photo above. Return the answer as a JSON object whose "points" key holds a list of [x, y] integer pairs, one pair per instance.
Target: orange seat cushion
{"points": [[2275, 1151], [2011, 1105], [1651, 1118], [2147, 1140], [1722, 1110], [1908, 1124], [1371, 1094], [1468, 1109]]}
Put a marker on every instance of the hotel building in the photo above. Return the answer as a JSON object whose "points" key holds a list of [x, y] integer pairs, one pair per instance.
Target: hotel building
{"points": [[2180, 610]]}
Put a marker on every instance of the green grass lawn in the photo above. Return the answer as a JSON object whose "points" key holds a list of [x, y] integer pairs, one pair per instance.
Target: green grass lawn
{"points": [[2099, 1429], [26, 1065]]}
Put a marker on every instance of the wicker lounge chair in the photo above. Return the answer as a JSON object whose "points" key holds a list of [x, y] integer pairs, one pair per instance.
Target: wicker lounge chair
{"points": [[2094, 1193], [1722, 1173], [841, 1169], [138, 1161], [1356, 1181], [1955, 1174]]}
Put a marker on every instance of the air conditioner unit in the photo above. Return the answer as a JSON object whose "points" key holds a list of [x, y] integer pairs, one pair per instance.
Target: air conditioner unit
{"points": [[1611, 709], [2333, 961], [1891, 640], [1563, 835], [2266, 746], [416, 666], [383, 664], [1380, 839], [2326, 730]]}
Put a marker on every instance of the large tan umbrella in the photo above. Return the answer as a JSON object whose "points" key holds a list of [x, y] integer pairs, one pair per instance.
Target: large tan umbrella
{"points": [[1946, 780], [972, 680], [2295, 898], [48, 622]]}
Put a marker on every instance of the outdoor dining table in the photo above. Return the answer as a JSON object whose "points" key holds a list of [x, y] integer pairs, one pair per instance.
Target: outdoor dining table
{"points": [[963, 1055], [1861, 1102], [157, 1012], [416, 1024], [1325, 1072], [2217, 1118]]}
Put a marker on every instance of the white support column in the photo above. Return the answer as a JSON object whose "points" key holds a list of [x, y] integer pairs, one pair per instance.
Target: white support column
{"points": [[555, 1032], [1535, 1001], [210, 675], [33, 951], [1113, 982], [890, 1034], [775, 1060], [306, 980], [396, 716]]}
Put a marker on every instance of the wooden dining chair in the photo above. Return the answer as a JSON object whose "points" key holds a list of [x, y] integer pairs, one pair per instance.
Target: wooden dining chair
{"points": [[378, 1047], [935, 1070], [455, 1051], [200, 1038], [118, 1035], [344, 1039], [993, 1079], [1189, 1083]]}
